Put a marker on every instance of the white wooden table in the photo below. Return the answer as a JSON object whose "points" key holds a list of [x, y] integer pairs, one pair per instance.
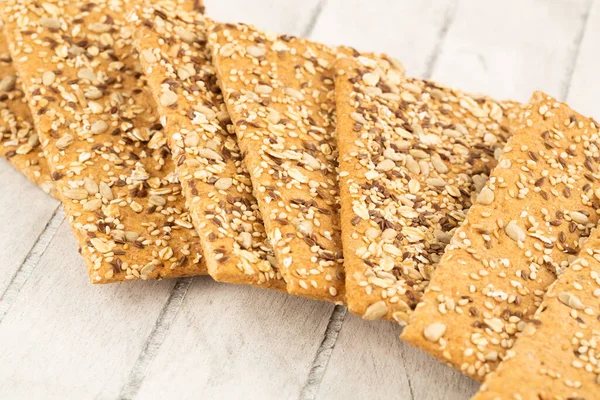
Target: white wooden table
{"points": [[62, 338]]}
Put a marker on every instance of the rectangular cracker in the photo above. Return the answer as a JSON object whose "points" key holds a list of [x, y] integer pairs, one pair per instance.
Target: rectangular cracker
{"points": [[19, 142], [101, 135], [279, 94], [525, 227], [558, 353], [413, 155], [216, 184]]}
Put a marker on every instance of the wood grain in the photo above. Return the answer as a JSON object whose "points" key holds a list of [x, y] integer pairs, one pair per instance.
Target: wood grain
{"points": [[291, 17], [407, 30], [66, 338], [582, 94], [233, 341], [510, 48], [24, 212]]}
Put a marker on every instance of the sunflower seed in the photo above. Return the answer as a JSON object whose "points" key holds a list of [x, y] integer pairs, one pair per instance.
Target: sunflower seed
{"points": [[514, 231], [64, 142], [75, 193], [375, 311], [434, 332], [49, 23], [105, 191], [223, 183], [256, 51], [579, 218], [486, 196], [7, 84], [571, 300], [168, 98], [99, 127]]}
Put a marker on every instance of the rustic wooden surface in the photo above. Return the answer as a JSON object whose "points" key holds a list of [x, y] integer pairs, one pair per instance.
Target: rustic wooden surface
{"points": [[63, 338]]}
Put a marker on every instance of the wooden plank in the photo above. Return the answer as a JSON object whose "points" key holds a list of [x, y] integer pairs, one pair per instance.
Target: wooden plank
{"points": [[24, 212], [405, 29], [66, 338], [231, 341], [271, 15], [497, 48], [383, 366], [582, 94]]}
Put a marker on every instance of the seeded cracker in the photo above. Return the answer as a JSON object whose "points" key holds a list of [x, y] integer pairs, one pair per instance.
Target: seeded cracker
{"points": [[19, 142], [524, 229], [413, 155], [173, 52], [102, 138], [278, 91], [558, 353]]}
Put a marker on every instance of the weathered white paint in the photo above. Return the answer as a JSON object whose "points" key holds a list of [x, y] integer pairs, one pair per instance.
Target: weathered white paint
{"points": [[508, 49], [291, 17], [24, 212], [65, 338], [233, 341], [405, 29], [585, 85]]}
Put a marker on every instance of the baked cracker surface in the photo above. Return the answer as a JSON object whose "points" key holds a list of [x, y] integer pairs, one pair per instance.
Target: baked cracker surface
{"points": [[19, 142], [101, 135], [557, 354], [173, 52], [279, 94], [525, 227], [413, 155]]}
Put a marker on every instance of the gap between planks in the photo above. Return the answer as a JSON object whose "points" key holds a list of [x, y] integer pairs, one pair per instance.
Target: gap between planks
{"points": [[449, 16], [317, 370], [155, 339], [314, 18], [564, 93], [31, 261]]}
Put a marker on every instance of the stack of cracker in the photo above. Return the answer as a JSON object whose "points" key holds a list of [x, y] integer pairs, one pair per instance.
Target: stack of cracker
{"points": [[278, 92], [19, 142], [216, 184], [102, 138], [180, 146], [525, 228]]}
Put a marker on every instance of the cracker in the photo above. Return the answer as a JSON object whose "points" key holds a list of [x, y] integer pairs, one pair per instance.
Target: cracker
{"points": [[278, 91], [413, 156], [100, 133], [558, 353], [524, 229], [19, 142], [216, 184]]}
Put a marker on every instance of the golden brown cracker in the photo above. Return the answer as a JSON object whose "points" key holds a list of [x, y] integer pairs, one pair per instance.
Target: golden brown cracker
{"points": [[19, 142], [216, 184], [278, 91], [413, 155], [100, 132], [557, 354], [525, 227]]}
